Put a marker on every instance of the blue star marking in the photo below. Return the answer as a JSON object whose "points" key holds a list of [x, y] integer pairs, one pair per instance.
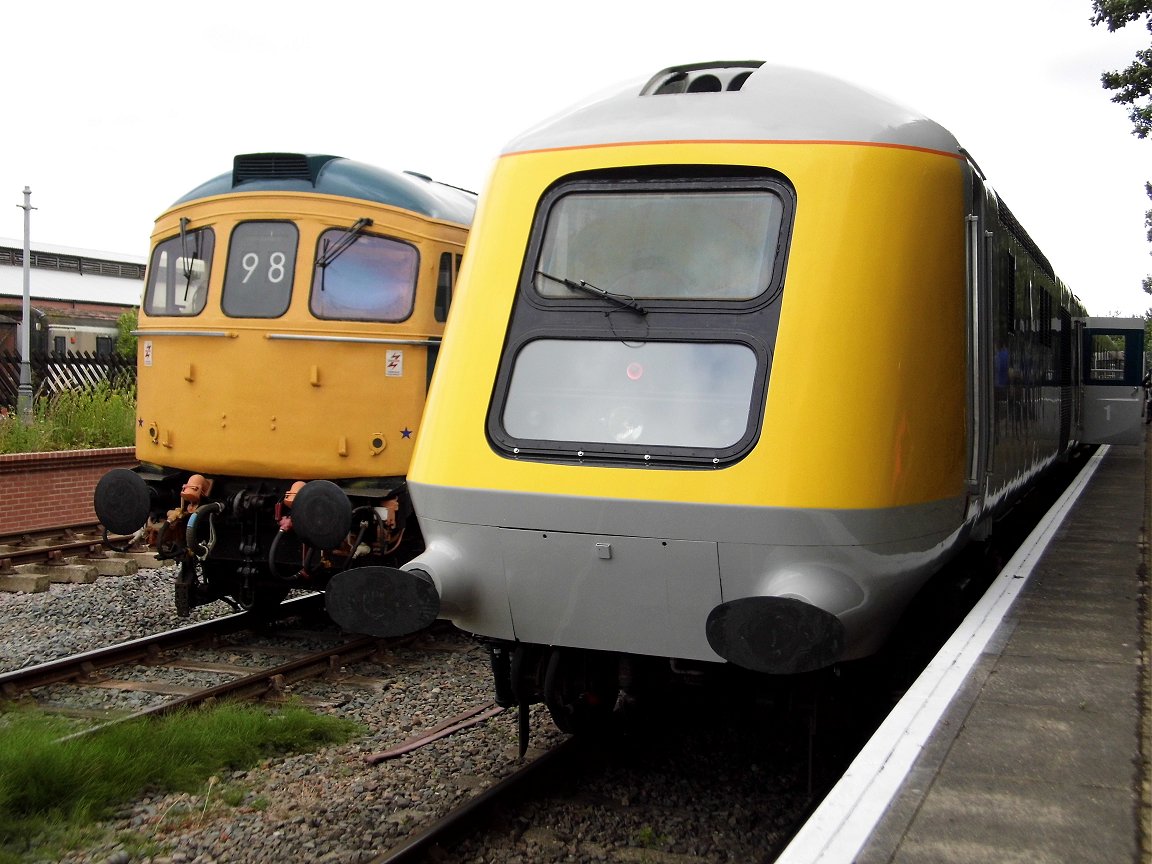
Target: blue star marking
{"points": [[405, 432]]}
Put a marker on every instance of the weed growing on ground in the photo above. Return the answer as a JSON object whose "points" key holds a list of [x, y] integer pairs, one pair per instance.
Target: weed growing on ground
{"points": [[53, 791]]}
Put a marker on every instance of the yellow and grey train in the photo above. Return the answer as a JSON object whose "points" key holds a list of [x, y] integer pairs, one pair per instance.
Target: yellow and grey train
{"points": [[292, 314], [740, 356]]}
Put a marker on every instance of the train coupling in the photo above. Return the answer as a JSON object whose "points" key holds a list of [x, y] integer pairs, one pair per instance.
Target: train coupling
{"points": [[382, 601]]}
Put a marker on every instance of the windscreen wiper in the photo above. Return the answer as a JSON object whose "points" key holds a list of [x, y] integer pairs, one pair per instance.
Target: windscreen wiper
{"points": [[187, 259], [621, 300], [334, 249]]}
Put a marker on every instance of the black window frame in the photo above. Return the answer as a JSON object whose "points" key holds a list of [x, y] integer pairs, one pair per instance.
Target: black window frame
{"points": [[752, 322], [1131, 368], [201, 242], [445, 282], [317, 279], [288, 274]]}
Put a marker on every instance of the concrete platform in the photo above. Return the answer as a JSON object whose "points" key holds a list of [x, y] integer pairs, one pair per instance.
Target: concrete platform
{"points": [[1040, 754]]}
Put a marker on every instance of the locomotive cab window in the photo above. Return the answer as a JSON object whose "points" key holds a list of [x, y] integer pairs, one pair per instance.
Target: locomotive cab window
{"points": [[687, 244], [178, 274], [372, 278], [261, 263], [643, 327], [665, 394]]}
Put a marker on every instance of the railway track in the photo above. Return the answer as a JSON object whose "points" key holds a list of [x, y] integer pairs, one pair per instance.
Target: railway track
{"points": [[37, 536], [731, 775], [696, 789], [117, 667], [765, 762], [549, 767], [56, 545]]}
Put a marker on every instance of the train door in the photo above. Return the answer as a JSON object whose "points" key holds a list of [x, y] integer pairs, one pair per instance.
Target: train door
{"points": [[1112, 366], [980, 367]]}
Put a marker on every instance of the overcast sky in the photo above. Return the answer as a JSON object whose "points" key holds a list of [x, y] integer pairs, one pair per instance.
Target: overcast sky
{"points": [[114, 110]]}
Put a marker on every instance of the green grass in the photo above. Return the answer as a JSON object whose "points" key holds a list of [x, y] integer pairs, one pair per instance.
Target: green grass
{"points": [[53, 791], [100, 416]]}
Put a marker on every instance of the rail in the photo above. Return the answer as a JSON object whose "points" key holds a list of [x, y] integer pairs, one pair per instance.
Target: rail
{"points": [[52, 545], [80, 666], [472, 815]]}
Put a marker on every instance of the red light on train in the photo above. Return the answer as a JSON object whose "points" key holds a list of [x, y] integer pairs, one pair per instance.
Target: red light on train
{"points": [[635, 371]]}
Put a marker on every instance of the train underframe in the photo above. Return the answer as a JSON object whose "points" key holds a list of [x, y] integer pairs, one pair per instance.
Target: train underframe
{"points": [[250, 541], [580, 688], [589, 692]]}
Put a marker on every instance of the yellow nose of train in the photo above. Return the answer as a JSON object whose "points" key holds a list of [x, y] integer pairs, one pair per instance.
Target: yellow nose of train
{"points": [[718, 382]]}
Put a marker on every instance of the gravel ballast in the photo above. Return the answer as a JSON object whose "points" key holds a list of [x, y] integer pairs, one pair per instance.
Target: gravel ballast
{"points": [[687, 799], [331, 806]]}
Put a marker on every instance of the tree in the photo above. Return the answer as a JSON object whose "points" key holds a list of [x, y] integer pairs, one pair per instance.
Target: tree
{"points": [[125, 341], [1133, 85], [1148, 224]]}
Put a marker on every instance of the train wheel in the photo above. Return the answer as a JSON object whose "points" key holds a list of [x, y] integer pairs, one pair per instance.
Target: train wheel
{"points": [[580, 690]]}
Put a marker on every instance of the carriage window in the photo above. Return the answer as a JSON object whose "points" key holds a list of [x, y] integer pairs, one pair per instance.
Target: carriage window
{"points": [[178, 274], [1113, 356], [261, 263], [1010, 292], [373, 279], [667, 244], [655, 394], [1107, 357]]}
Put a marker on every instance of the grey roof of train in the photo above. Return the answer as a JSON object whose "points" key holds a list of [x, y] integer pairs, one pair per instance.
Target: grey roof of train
{"points": [[775, 103], [337, 175]]}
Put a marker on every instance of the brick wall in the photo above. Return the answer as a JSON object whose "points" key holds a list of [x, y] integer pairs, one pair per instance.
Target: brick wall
{"points": [[43, 490]]}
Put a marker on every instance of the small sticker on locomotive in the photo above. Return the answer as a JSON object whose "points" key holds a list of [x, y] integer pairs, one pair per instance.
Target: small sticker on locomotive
{"points": [[148, 352], [394, 364]]}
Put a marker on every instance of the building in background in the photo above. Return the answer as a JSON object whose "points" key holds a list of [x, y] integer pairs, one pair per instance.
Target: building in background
{"points": [[76, 297]]}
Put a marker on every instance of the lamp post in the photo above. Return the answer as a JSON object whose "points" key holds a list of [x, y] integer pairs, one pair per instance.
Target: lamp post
{"points": [[24, 391]]}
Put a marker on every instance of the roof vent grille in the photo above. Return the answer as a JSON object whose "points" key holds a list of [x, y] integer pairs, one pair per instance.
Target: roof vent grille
{"points": [[274, 166], [701, 77]]}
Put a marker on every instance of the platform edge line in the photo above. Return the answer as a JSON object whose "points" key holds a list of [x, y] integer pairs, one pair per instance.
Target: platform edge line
{"points": [[849, 813]]}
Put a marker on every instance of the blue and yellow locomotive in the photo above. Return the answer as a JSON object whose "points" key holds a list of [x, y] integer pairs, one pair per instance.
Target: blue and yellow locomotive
{"points": [[292, 315]]}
